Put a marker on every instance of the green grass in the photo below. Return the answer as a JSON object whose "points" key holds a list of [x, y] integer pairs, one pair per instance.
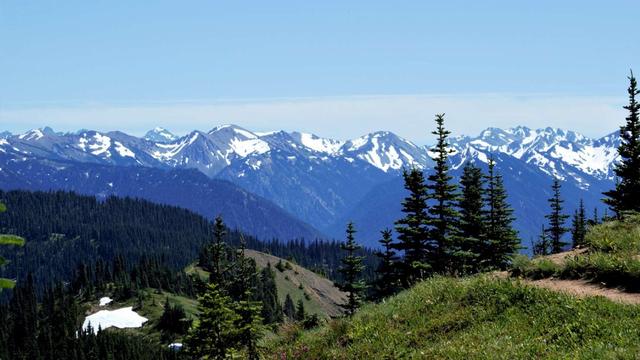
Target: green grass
{"points": [[612, 257], [284, 284], [472, 318]]}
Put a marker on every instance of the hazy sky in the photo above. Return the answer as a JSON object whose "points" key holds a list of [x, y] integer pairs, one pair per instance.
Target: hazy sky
{"points": [[335, 68]]}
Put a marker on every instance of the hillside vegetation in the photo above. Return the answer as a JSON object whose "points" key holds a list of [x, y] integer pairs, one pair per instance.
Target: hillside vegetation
{"points": [[474, 318], [318, 294], [611, 257]]}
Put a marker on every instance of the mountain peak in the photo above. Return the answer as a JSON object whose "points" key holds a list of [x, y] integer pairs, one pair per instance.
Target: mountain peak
{"points": [[160, 135], [32, 135], [231, 131]]}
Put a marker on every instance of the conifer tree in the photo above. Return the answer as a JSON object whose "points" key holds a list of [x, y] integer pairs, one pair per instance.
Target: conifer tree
{"points": [[7, 240], [289, 308], [215, 335], [501, 239], [412, 229], [556, 229], [596, 219], [173, 319], [249, 325], [217, 251], [351, 270], [443, 217], [627, 191], [387, 282], [271, 309], [471, 204], [300, 313], [541, 246], [579, 226]]}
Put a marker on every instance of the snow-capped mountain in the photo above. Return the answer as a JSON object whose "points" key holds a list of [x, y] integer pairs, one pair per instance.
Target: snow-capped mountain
{"points": [[321, 180], [160, 135], [566, 155]]}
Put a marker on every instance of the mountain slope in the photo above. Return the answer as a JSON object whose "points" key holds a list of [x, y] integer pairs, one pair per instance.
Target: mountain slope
{"points": [[318, 294], [189, 189]]}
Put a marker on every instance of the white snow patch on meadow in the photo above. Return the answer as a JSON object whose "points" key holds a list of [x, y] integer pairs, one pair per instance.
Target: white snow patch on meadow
{"points": [[104, 301], [120, 318]]}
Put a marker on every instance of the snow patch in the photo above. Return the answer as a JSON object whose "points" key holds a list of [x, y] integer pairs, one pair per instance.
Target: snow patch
{"points": [[35, 134], [319, 144], [251, 146], [104, 301], [124, 151], [121, 318], [101, 145]]}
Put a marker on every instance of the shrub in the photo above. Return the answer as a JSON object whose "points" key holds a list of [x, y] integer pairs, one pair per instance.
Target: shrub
{"points": [[520, 265]]}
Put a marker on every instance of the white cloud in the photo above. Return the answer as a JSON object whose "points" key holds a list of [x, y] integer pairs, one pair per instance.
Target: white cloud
{"points": [[410, 116]]}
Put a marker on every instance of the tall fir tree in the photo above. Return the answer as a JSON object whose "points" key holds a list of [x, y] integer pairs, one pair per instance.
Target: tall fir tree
{"points": [[289, 308], [556, 229], [596, 219], [249, 325], [501, 239], [6, 239], [443, 217], [579, 226], [300, 313], [351, 270], [627, 191], [387, 282], [271, 309], [215, 335], [471, 237], [217, 250], [413, 232]]}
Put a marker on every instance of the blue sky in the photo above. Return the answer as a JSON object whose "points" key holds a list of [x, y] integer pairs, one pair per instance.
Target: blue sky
{"points": [[336, 68]]}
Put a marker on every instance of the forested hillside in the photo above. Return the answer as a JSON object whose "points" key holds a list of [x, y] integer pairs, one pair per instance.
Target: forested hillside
{"points": [[188, 189], [64, 229]]}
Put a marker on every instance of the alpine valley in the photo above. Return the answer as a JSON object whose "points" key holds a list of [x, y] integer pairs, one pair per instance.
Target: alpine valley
{"points": [[298, 185]]}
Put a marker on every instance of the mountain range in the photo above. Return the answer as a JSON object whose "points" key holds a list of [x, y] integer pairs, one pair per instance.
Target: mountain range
{"points": [[298, 181]]}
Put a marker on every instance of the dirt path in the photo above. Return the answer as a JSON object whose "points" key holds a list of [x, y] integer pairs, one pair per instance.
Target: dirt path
{"points": [[584, 288]]}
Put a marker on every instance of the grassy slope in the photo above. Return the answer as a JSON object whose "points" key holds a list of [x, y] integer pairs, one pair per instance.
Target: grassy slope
{"points": [[611, 256], [323, 296], [473, 318]]}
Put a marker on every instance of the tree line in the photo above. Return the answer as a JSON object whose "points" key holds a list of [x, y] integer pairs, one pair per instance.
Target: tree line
{"points": [[448, 228], [65, 229]]}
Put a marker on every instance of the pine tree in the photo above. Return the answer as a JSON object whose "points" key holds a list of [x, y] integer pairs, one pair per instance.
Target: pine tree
{"points": [[541, 246], [413, 233], [596, 219], [443, 218], [501, 239], [7, 240], [351, 270], [387, 282], [579, 226], [627, 191], [215, 335], [300, 313], [271, 310], [173, 320], [249, 325], [556, 218], [289, 308], [471, 204], [217, 250]]}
